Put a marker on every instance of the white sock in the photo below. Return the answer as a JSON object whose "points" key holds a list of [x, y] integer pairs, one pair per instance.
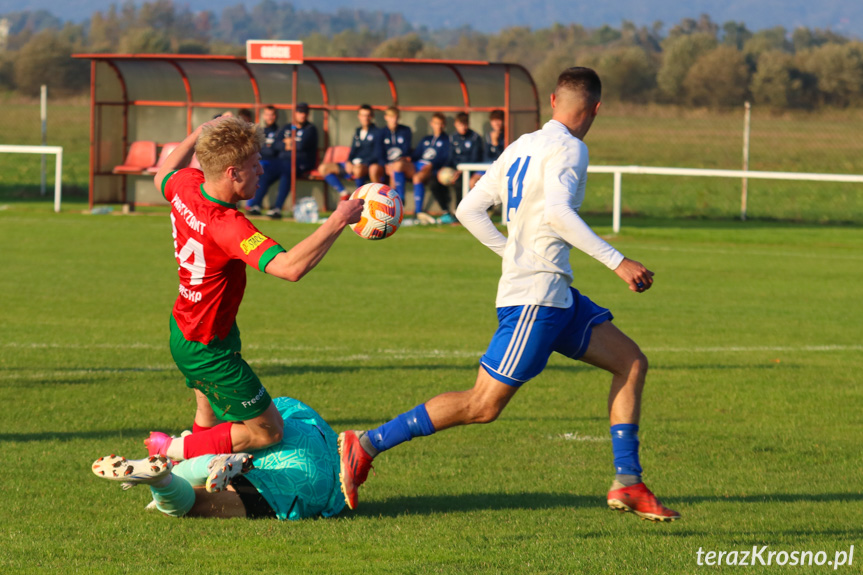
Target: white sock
{"points": [[175, 450]]}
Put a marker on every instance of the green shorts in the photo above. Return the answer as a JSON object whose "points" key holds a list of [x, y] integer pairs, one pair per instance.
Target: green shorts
{"points": [[218, 371]]}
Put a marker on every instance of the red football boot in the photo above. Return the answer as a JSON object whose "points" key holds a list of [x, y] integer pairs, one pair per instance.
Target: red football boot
{"points": [[354, 466], [639, 499]]}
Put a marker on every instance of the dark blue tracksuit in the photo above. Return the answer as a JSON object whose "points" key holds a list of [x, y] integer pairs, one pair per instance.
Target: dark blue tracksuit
{"points": [[493, 152], [306, 144], [395, 144], [366, 149]]}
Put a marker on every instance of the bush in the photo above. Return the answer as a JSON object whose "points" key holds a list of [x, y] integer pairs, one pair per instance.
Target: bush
{"points": [[718, 79], [628, 74], [401, 47], [772, 82], [46, 59], [681, 52], [839, 72]]}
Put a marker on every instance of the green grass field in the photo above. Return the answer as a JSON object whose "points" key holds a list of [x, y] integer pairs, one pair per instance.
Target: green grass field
{"points": [[751, 427]]}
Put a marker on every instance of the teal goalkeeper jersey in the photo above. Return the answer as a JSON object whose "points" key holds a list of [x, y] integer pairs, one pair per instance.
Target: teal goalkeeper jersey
{"points": [[299, 476]]}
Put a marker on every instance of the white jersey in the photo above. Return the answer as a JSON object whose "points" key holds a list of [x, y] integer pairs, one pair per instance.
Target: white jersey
{"points": [[539, 181]]}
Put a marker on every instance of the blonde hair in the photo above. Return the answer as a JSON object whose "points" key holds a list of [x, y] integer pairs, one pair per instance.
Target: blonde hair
{"points": [[229, 142]]}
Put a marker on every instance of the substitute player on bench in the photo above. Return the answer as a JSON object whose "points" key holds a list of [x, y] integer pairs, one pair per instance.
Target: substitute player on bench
{"points": [[396, 141], [213, 243], [364, 160], [539, 181]]}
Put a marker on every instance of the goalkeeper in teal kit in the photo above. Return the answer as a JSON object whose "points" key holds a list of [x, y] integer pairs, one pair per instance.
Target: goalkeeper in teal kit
{"points": [[293, 479]]}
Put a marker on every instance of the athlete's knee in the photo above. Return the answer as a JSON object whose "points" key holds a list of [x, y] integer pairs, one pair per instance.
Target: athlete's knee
{"points": [[640, 361], [328, 169], [482, 410], [637, 364]]}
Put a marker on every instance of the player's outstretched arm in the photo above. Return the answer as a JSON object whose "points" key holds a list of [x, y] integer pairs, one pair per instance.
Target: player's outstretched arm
{"points": [[574, 230], [303, 257]]}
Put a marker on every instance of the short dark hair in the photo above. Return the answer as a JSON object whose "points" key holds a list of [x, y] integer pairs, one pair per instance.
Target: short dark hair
{"points": [[366, 107], [246, 114], [583, 81], [496, 115], [273, 108], [462, 118], [439, 116]]}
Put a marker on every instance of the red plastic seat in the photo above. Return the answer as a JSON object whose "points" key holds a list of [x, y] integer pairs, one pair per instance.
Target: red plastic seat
{"points": [[333, 155], [142, 155], [163, 155]]}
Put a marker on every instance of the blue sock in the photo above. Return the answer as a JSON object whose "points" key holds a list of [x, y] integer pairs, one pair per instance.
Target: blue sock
{"points": [[419, 196], [414, 423], [624, 444], [335, 182], [359, 182], [399, 180]]}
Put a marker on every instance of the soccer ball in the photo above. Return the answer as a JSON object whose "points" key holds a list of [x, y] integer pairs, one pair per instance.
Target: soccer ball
{"points": [[382, 212], [447, 176]]}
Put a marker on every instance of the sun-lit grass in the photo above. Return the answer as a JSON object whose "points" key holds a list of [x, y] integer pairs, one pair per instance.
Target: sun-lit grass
{"points": [[751, 424]]}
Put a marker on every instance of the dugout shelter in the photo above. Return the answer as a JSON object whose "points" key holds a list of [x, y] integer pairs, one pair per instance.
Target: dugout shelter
{"points": [[158, 99]]}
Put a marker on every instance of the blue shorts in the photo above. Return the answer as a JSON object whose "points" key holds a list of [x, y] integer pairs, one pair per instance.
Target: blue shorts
{"points": [[528, 334]]}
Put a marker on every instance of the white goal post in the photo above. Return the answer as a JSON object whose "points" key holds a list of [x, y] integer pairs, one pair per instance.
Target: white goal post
{"points": [[58, 164], [618, 172]]}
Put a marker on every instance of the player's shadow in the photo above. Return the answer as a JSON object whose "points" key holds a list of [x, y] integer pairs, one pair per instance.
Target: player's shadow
{"points": [[769, 498], [138, 433], [436, 504]]}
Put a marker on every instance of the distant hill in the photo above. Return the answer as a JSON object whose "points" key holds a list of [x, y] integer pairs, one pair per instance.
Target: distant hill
{"points": [[841, 16]]}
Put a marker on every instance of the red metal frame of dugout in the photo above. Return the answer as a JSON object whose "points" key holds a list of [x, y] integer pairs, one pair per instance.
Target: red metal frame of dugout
{"points": [[326, 107]]}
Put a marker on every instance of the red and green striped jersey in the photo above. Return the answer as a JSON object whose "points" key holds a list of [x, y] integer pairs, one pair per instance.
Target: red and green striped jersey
{"points": [[213, 242]]}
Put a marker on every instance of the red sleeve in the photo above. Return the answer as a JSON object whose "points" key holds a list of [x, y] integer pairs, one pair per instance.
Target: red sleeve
{"points": [[179, 178], [241, 240]]}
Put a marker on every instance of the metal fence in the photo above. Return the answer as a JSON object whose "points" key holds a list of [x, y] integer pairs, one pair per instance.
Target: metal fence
{"points": [[825, 142]]}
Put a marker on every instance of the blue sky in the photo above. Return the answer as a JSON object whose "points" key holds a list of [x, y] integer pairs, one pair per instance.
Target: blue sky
{"points": [[842, 16]]}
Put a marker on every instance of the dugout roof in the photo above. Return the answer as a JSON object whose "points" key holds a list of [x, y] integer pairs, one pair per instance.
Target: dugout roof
{"points": [[162, 97]]}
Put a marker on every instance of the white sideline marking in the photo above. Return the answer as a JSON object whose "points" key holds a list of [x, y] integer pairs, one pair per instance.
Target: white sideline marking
{"points": [[576, 436]]}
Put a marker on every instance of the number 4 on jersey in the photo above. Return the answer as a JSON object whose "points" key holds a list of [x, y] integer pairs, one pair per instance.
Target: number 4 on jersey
{"points": [[193, 247], [515, 191]]}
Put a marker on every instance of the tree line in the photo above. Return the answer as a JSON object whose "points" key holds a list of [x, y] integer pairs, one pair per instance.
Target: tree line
{"points": [[697, 63]]}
